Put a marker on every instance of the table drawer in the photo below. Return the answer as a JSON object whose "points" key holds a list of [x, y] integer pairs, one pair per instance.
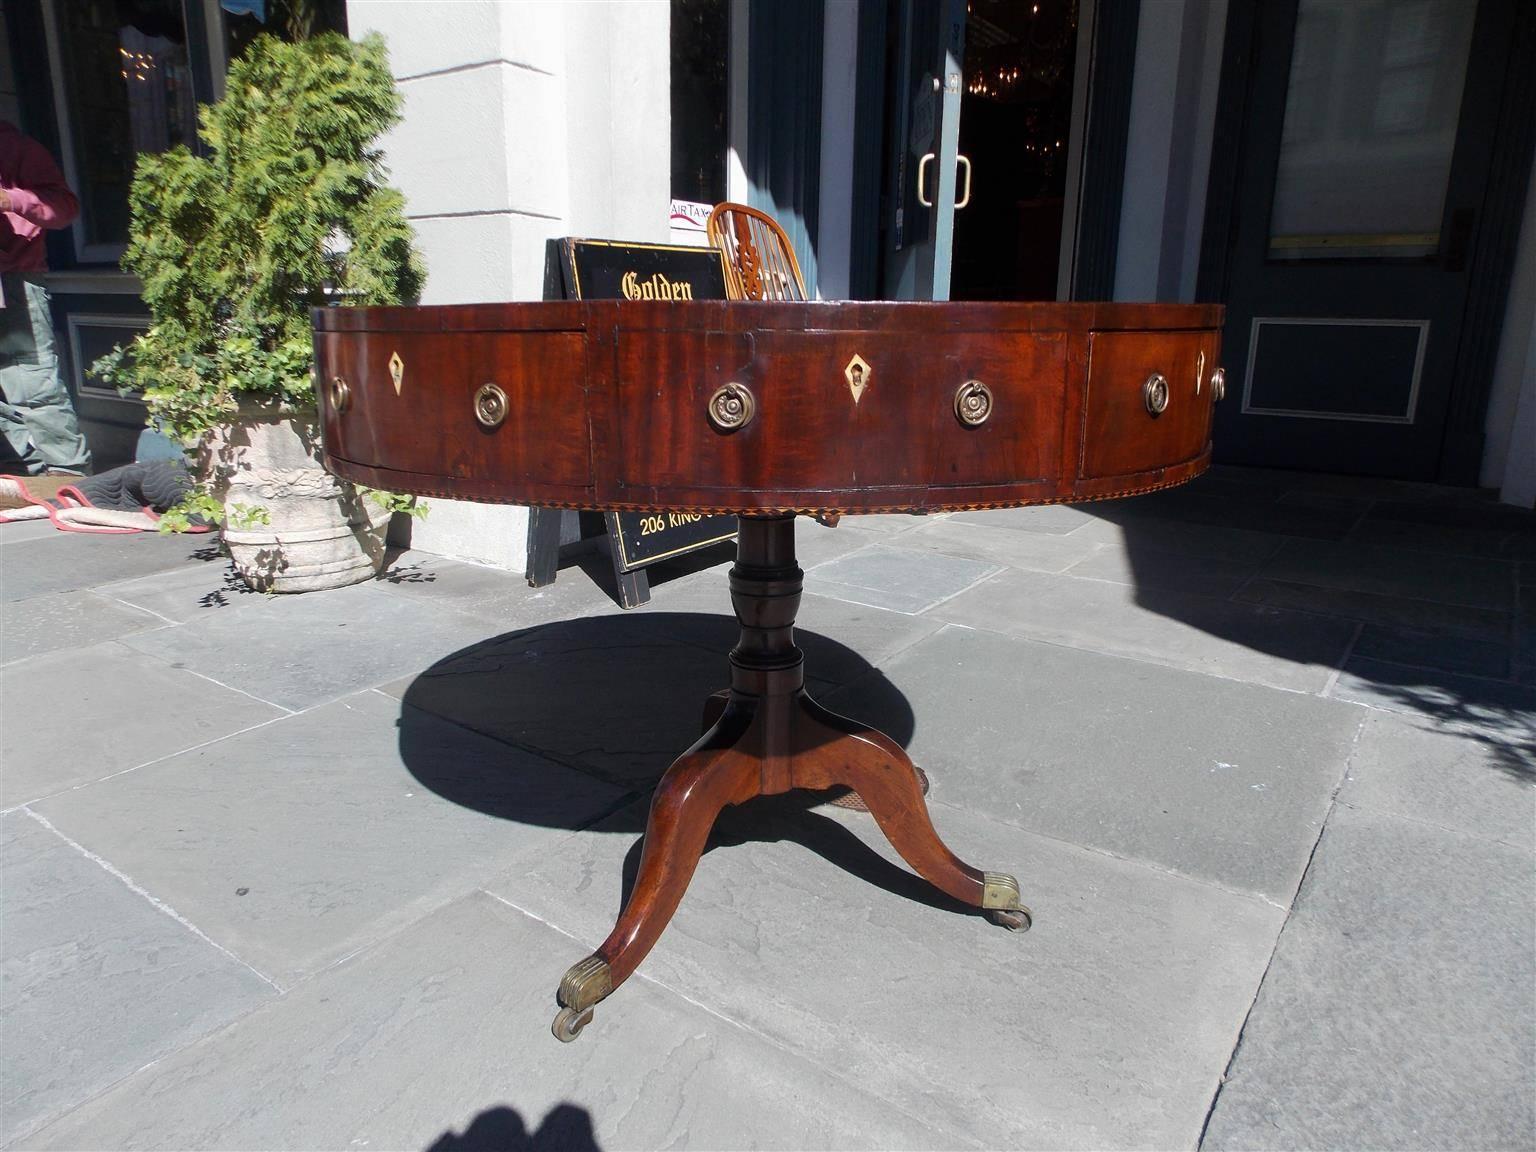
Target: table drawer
{"points": [[1122, 434], [894, 424], [427, 423]]}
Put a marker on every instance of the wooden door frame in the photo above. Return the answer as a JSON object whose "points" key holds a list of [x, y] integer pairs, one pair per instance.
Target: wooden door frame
{"points": [[1491, 254]]}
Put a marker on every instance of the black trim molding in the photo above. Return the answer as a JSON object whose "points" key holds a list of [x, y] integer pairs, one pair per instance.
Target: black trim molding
{"points": [[868, 157], [784, 52], [1112, 74], [1232, 101], [1493, 257]]}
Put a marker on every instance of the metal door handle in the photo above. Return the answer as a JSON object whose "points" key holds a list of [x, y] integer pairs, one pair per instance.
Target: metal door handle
{"points": [[922, 171], [966, 198]]}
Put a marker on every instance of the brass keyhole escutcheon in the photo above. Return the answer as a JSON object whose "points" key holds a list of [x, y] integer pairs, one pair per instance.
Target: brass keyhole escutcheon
{"points": [[731, 407], [1219, 385], [340, 394], [490, 405], [973, 403], [857, 372], [1155, 393]]}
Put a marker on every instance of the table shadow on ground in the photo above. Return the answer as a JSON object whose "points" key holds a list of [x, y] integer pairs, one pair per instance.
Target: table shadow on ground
{"points": [[617, 699]]}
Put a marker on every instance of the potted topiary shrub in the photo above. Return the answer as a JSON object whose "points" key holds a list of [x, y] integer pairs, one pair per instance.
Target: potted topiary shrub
{"points": [[286, 208]]}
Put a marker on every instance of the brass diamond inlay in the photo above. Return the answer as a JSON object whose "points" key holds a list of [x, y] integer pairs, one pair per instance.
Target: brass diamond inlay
{"points": [[858, 373], [396, 370]]}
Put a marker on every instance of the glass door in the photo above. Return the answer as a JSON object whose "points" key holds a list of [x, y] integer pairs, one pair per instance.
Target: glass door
{"points": [[1015, 139], [923, 148]]}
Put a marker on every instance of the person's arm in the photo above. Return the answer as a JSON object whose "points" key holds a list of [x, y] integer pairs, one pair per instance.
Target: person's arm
{"points": [[39, 194]]}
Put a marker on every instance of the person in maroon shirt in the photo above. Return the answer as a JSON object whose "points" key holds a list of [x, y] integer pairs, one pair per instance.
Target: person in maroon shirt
{"points": [[38, 429]]}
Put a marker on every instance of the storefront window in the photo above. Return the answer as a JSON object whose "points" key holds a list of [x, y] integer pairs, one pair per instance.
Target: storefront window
{"points": [[127, 88], [244, 20], [700, 49], [1370, 127]]}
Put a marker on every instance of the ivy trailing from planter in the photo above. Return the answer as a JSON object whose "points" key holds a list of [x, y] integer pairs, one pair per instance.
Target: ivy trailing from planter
{"points": [[286, 208]]}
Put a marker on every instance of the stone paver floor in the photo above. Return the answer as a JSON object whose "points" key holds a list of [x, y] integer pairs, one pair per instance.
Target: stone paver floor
{"points": [[284, 873]]}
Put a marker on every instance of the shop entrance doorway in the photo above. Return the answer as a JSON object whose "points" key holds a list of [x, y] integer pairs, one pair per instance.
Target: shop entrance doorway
{"points": [[977, 147]]}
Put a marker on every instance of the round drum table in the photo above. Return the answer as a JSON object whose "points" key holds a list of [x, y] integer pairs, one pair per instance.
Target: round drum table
{"points": [[769, 410]]}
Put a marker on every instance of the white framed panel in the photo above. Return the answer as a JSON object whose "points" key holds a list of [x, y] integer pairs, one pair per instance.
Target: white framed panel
{"points": [[1411, 402], [127, 326]]}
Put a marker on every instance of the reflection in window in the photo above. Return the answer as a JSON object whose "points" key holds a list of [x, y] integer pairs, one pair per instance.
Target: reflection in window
{"points": [[286, 19], [160, 105], [1370, 123], [128, 89]]}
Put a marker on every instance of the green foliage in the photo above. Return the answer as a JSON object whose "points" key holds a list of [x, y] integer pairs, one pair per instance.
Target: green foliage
{"points": [[397, 502], [197, 505], [201, 506], [244, 517], [288, 210]]}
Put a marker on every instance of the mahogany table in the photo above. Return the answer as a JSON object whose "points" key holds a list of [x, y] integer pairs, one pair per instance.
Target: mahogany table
{"points": [[769, 411]]}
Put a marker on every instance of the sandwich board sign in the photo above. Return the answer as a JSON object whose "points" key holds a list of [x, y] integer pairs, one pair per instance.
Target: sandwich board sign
{"points": [[614, 269]]}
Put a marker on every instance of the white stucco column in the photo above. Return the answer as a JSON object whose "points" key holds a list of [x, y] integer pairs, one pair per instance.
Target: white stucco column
{"points": [[522, 121]]}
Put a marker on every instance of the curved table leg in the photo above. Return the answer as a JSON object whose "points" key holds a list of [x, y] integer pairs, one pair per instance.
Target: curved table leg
{"points": [[833, 750], [765, 736], [689, 797], [714, 708]]}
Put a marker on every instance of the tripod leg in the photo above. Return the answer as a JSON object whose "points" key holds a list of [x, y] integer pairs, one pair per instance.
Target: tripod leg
{"points": [[832, 750], [714, 708], [699, 784]]}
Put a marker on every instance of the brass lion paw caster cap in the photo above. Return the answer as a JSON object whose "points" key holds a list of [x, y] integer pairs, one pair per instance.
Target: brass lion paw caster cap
{"points": [[1155, 393], [490, 405], [732, 407]]}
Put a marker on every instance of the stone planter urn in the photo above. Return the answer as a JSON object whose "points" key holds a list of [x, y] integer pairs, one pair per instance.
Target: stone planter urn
{"points": [[321, 532]]}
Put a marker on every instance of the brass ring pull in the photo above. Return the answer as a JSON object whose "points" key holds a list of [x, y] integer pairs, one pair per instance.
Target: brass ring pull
{"points": [[973, 403], [1155, 393], [490, 405], [340, 394], [731, 407], [1219, 385]]}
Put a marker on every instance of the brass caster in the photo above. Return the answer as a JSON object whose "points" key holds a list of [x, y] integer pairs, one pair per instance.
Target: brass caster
{"points": [[569, 1023], [1000, 901], [1014, 919], [587, 982], [999, 890]]}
